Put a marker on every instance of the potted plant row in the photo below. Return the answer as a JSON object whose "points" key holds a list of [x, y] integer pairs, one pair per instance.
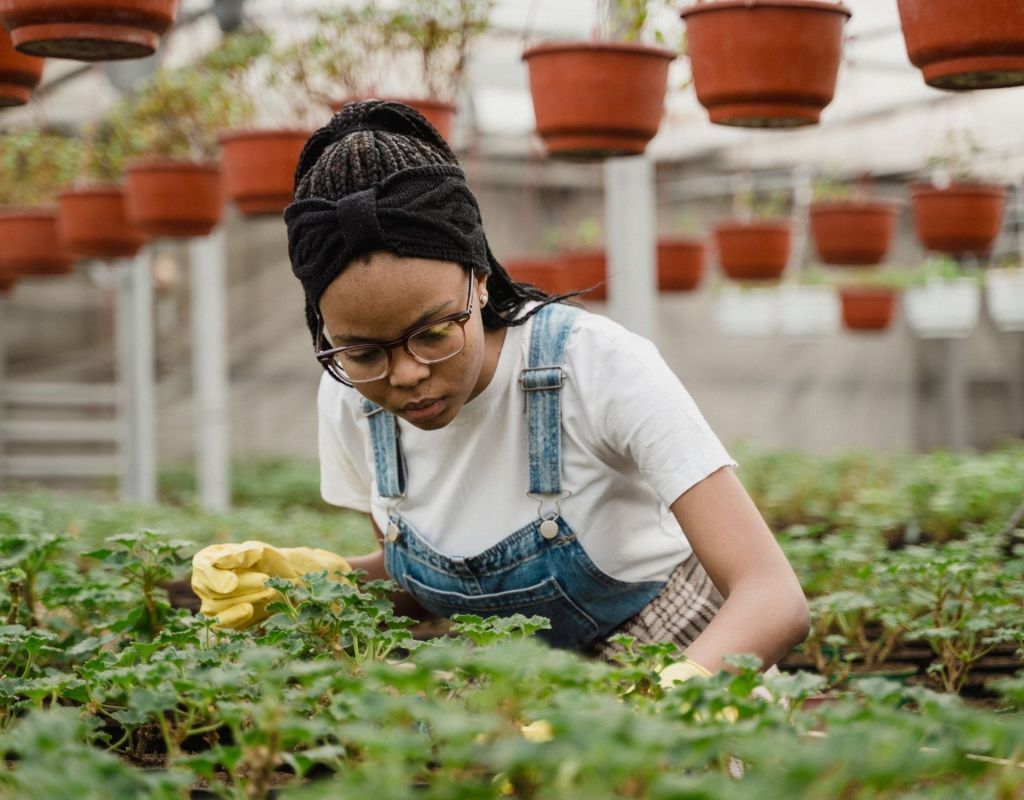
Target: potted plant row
{"points": [[87, 30], [604, 97], [765, 63]]}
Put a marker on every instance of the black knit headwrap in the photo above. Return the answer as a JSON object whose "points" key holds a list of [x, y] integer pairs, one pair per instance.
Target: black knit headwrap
{"points": [[378, 176], [419, 212]]}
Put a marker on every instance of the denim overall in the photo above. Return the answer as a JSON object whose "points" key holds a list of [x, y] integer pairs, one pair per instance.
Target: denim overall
{"points": [[538, 569]]}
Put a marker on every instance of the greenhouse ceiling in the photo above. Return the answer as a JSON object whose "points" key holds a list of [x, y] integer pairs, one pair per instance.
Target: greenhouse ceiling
{"points": [[884, 120]]}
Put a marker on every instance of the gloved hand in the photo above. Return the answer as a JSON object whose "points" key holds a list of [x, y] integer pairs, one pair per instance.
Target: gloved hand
{"points": [[229, 578], [681, 671]]}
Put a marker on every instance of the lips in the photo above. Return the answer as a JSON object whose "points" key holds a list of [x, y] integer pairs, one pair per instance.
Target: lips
{"points": [[417, 405], [422, 411]]}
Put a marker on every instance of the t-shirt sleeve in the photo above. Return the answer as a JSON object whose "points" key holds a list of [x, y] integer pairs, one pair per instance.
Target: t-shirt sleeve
{"points": [[639, 411], [345, 478]]}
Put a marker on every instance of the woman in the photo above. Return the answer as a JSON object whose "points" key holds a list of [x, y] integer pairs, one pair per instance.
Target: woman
{"points": [[516, 454]]}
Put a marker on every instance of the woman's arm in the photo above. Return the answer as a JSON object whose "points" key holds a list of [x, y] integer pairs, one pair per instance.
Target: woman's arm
{"points": [[373, 566], [765, 611]]}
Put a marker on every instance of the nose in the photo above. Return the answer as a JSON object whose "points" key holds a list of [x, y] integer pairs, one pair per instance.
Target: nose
{"points": [[406, 371]]}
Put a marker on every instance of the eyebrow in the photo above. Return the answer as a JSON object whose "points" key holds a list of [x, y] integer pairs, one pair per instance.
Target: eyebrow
{"points": [[422, 319]]}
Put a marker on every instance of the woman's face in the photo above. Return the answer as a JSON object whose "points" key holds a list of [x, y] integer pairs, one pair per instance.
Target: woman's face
{"points": [[385, 297]]}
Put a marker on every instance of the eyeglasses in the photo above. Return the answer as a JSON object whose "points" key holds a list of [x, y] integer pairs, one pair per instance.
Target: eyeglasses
{"points": [[433, 343]]}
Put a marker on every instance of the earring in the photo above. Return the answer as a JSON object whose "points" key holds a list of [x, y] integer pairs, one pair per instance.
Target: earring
{"points": [[483, 299]]}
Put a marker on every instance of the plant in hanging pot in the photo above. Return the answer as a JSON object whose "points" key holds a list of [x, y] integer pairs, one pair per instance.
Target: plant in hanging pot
{"points": [[19, 73], [172, 182], [606, 97], [1004, 297], [258, 154], [34, 166], [765, 63], [747, 309], [848, 226], [869, 297], [942, 300], [809, 305], [88, 30], [956, 212], [681, 257], [415, 53], [92, 219], [585, 260], [755, 244], [959, 45]]}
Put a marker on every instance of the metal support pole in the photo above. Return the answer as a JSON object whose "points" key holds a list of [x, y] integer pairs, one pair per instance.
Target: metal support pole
{"points": [[802, 195], [630, 241], [954, 393], [209, 365], [137, 378]]}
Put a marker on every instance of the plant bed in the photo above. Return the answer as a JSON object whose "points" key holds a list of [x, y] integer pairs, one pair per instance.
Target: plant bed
{"points": [[765, 63], [88, 30], [960, 46], [597, 99]]}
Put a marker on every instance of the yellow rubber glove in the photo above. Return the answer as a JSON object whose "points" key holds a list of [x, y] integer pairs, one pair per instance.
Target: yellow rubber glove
{"points": [[681, 671], [229, 578]]}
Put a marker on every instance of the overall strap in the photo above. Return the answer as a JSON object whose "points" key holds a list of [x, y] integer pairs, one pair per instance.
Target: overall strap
{"points": [[542, 380], [387, 454]]}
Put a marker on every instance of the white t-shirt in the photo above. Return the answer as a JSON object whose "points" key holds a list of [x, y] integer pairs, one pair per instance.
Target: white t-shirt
{"points": [[633, 441]]}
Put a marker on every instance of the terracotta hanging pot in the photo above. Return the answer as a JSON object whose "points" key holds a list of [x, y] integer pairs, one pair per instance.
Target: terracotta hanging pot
{"points": [[30, 245], [680, 264], [19, 74], [867, 308], [587, 269], [259, 168], [765, 63], [548, 274], [92, 222], [437, 112], [753, 251], [965, 45], [167, 197], [597, 99], [87, 30], [961, 218], [853, 233], [7, 281]]}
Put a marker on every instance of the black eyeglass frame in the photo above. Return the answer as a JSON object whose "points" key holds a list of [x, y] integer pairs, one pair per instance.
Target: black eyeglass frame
{"points": [[328, 362]]}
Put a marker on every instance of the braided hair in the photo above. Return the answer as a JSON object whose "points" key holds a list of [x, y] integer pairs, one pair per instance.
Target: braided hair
{"points": [[369, 140]]}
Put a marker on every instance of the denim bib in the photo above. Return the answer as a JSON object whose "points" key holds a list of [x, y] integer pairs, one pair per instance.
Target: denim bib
{"points": [[540, 568]]}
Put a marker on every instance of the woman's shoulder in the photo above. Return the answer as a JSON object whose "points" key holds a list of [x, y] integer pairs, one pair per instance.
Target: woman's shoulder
{"points": [[337, 400]]}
